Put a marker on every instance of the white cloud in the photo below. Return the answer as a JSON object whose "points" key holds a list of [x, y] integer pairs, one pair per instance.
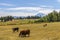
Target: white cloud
{"points": [[6, 4], [38, 9], [31, 8], [17, 11], [16, 14], [22, 14], [24, 8], [46, 11], [58, 0], [3, 14], [0, 8], [46, 6], [38, 5]]}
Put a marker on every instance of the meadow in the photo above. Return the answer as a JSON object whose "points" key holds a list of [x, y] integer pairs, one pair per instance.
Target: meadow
{"points": [[38, 32]]}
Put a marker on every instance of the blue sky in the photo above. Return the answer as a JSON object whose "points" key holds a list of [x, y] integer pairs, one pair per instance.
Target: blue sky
{"points": [[28, 7]]}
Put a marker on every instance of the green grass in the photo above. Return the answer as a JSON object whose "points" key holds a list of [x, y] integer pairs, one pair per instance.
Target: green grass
{"points": [[38, 32], [18, 22]]}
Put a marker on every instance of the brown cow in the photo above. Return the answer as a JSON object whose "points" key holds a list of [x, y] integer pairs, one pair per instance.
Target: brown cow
{"points": [[15, 29], [24, 33], [44, 25]]}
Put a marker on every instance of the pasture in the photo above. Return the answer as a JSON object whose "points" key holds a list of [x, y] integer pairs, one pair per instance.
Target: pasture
{"points": [[38, 32]]}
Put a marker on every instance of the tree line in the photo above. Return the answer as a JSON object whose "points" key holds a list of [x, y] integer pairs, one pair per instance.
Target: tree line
{"points": [[10, 18], [29, 17], [6, 18], [54, 16]]}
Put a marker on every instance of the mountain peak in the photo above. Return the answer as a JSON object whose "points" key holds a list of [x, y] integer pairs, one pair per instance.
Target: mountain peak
{"points": [[40, 14]]}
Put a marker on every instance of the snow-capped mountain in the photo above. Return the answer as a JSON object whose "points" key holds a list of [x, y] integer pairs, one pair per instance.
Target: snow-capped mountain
{"points": [[40, 14]]}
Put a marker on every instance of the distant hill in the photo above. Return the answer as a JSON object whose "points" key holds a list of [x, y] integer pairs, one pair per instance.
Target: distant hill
{"points": [[18, 16], [40, 14]]}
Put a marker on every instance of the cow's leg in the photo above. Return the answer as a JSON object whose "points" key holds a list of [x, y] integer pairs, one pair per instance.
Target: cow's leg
{"points": [[13, 30], [28, 35], [17, 30], [25, 35], [21, 35]]}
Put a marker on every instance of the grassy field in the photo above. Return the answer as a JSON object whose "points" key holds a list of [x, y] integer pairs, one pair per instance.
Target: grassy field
{"points": [[18, 22], [38, 32]]}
